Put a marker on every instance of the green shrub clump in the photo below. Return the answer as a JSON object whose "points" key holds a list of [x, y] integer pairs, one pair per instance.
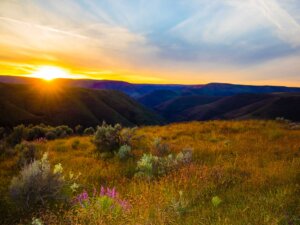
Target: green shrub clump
{"points": [[107, 138], [79, 130], [124, 152], [50, 135], [160, 148], [150, 166], [27, 153], [17, 135], [89, 131]]}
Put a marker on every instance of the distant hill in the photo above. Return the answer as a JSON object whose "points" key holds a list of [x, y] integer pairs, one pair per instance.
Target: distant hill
{"points": [[58, 104], [247, 106], [133, 90], [182, 102], [157, 97], [172, 109], [139, 91]]}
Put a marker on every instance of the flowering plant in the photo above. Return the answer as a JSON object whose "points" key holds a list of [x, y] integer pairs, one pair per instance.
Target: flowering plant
{"points": [[105, 199]]}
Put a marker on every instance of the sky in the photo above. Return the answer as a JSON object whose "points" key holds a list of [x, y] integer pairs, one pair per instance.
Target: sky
{"points": [[157, 41]]}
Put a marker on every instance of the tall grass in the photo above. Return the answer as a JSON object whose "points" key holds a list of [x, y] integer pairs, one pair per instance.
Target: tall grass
{"points": [[252, 167]]}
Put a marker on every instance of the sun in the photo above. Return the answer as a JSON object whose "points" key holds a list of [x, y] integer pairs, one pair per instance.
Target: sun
{"points": [[49, 73]]}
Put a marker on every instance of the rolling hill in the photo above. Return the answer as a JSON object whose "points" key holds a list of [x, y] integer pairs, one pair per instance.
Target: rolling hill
{"points": [[247, 106], [172, 109], [171, 102], [57, 104]]}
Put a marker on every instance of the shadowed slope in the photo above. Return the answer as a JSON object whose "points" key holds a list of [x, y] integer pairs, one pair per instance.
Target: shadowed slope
{"points": [[55, 105]]}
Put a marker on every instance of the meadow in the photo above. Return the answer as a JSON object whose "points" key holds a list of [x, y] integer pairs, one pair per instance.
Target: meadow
{"points": [[241, 172]]}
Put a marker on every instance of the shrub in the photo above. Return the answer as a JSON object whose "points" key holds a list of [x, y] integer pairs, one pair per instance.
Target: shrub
{"points": [[89, 131], [150, 166], [79, 129], [18, 134], [27, 153], [107, 138], [37, 184], [63, 131], [185, 156], [124, 152], [36, 132], [145, 166], [50, 135], [160, 148], [126, 136], [75, 144]]}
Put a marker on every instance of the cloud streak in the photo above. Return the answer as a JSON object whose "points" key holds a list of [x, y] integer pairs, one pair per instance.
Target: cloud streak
{"points": [[196, 41]]}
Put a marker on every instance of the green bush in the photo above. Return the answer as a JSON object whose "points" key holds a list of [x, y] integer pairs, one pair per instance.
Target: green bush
{"points": [[127, 136], [50, 135], [160, 148], [79, 130], [150, 166], [107, 138], [63, 131], [89, 131], [27, 153], [36, 132], [124, 152], [18, 134], [37, 185]]}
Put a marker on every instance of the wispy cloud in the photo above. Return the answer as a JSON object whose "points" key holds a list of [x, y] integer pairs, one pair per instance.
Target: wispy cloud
{"points": [[152, 41]]}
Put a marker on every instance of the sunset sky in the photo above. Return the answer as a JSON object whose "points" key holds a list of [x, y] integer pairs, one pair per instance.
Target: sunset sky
{"points": [[154, 41]]}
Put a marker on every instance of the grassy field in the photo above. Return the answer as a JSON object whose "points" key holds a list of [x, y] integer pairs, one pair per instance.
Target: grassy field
{"points": [[244, 172]]}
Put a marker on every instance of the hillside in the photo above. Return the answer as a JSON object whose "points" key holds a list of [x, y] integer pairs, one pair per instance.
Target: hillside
{"points": [[156, 98], [57, 104], [247, 106], [172, 109], [241, 172]]}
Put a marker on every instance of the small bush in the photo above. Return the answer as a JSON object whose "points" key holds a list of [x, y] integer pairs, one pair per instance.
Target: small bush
{"points": [[18, 134], [89, 131], [37, 184], [150, 166], [185, 156], [27, 153], [75, 144], [79, 130], [36, 132], [127, 135], [124, 152], [50, 135], [160, 148], [107, 138], [63, 131]]}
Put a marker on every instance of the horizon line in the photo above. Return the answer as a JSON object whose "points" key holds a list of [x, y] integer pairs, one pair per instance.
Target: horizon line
{"points": [[137, 83]]}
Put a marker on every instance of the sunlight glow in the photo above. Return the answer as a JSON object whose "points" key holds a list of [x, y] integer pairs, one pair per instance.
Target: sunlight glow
{"points": [[49, 73]]}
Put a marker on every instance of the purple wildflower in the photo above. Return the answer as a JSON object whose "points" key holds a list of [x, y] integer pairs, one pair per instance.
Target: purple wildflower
{"points": [[83, 198]]}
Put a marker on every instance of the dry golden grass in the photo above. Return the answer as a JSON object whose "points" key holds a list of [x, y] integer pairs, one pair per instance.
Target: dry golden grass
{"points": [[252, 166]]}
